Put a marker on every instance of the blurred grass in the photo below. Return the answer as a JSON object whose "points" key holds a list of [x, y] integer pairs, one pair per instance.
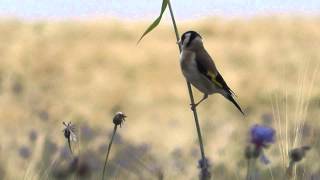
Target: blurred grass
{"points": [[84, 71]]}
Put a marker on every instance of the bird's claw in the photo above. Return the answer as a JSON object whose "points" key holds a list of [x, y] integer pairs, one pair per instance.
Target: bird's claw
{"points": [[193, 106]]}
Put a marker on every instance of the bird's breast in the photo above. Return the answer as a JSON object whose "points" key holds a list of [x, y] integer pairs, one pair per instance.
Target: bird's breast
{"points": [[192, 74], [187, 60], [189, 66]]}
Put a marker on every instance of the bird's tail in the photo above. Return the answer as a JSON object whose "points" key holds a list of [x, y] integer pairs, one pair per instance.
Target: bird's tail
{"points": [[230, 98]]}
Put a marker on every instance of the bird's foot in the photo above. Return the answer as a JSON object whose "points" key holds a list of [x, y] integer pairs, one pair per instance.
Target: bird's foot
{"points": [[193, 106]]}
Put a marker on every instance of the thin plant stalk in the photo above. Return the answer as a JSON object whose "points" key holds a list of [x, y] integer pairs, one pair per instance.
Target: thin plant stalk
{"points": [[248, 169], [195, 114], [289, 173], [271, 174], [69, 144], [251, 169], [108, 152]]}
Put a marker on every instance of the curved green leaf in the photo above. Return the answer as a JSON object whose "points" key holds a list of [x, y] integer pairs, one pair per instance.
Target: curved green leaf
{"points": [[157, 21]]}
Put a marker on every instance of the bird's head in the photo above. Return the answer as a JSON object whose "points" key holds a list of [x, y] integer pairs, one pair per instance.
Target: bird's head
{"points": [[191, 40]]}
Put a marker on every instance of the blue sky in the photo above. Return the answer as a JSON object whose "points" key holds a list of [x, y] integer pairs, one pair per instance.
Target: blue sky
{"points": [[144, 9]]}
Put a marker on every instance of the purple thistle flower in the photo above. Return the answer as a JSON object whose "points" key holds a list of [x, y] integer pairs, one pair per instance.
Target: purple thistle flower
{"points": [[262, 136]]}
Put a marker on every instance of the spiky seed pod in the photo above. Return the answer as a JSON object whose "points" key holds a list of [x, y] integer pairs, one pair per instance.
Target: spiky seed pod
{"points": [[119, 118]]}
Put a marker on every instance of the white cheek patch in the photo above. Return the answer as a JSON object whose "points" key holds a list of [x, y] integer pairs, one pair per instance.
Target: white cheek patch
{"points": [[198, 40], [187, 39]]}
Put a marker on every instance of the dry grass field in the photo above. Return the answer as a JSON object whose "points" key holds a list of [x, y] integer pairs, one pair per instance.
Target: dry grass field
{"points": [[85, 71]]}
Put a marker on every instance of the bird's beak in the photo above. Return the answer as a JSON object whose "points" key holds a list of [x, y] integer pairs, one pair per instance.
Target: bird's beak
{"points": [[179, 42]]}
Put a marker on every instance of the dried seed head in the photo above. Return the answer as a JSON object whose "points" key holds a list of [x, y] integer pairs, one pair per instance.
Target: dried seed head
{"points": [[119, 118], [66, 133], [298, 154], [69, 131]]}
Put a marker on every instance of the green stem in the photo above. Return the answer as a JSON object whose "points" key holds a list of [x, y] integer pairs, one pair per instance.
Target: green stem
{"points": [[289, 172], [108, 152], [69, 144], [195, 114], [248, 169], [253, 171]]}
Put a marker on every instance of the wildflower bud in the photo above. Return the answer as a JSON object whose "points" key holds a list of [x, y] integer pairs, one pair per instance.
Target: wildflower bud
{"points": [[264, 159], [33, 135], [248, 152], [298, 154], [25, 152], [252, 152], [73, 164], [256, 152], [204, 165], [119, 118]]}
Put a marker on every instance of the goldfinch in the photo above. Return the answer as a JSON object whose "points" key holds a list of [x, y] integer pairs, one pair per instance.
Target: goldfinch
{"points": [[199, 69]]}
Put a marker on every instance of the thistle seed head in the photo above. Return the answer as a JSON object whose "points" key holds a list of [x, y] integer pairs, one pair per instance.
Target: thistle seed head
{"points": [[298, 154], [119, 118], [69, 131]]}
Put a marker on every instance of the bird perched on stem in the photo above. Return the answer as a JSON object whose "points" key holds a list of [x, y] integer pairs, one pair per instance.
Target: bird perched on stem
{"points": [[199, 69]]}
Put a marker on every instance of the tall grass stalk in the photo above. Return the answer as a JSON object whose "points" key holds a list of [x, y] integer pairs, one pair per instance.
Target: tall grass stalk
{"points": [[289, 173], [118, 119], [108, 152], [195, 114], [69, 144], [270, 171], [248, 169], [251, 169], [290, 122]]}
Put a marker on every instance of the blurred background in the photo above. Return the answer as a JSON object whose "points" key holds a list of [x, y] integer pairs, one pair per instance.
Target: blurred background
{"points": [[79, 61]]}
